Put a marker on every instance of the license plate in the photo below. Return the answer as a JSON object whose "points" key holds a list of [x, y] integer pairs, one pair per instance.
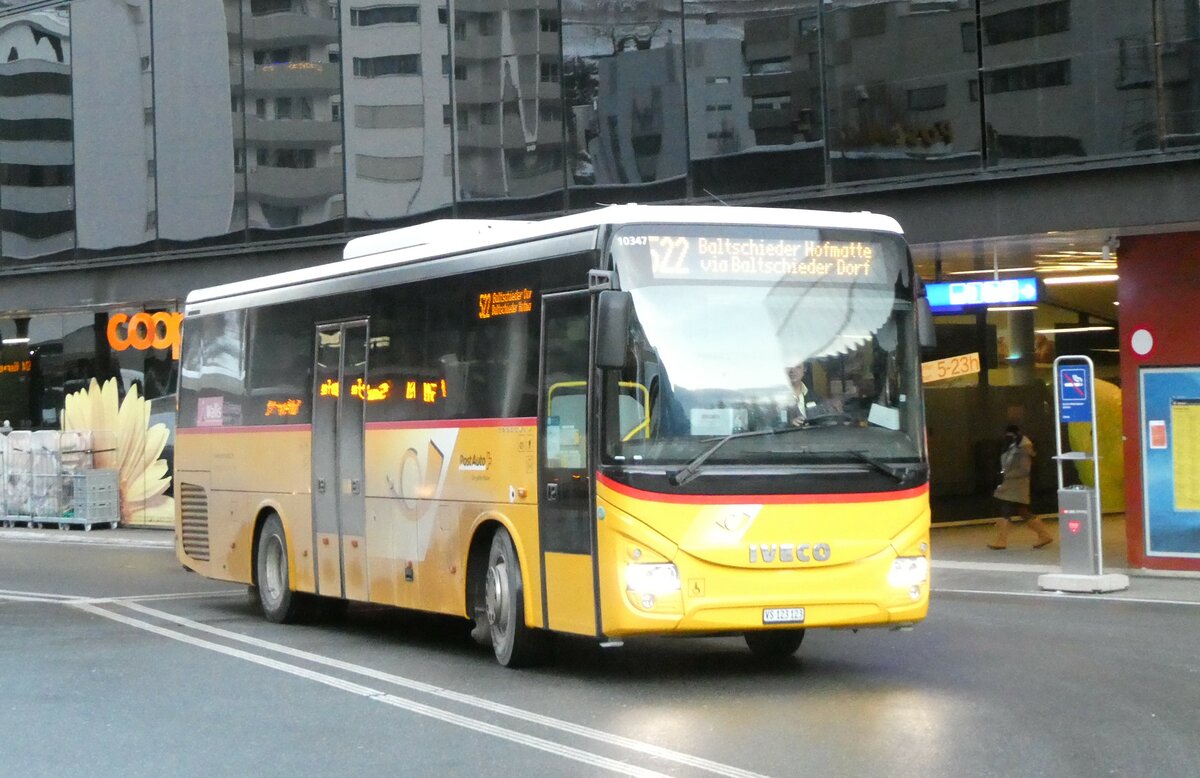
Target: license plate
{"points": [[783, 615]]}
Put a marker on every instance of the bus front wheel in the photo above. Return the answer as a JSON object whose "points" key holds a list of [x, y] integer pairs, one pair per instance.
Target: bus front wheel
{"points": [[774, 644], [514, 643], [279, 603]]}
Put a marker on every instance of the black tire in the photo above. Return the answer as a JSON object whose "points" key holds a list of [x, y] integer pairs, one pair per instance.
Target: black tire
{"points": [[275, 596], [514, 643], [774, 644]]}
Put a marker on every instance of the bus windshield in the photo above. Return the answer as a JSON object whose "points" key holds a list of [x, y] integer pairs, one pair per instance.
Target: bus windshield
{"points": [[738, 330]]}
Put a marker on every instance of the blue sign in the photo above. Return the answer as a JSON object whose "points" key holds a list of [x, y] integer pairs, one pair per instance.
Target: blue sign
{"points": [[964, 294], [1169, 437], [1074, 393]]}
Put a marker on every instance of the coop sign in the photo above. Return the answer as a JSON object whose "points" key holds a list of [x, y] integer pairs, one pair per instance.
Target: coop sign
{"points": [[143, 331]]}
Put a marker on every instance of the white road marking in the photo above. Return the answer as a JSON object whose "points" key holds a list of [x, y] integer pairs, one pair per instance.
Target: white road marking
{"points": [[18, 596], [578, 755], [1073, 596], [466, 699], [92, 539], [994, 567]]}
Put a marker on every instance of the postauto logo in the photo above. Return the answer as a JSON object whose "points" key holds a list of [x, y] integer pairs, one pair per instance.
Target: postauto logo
{"points": [[142, 331]]}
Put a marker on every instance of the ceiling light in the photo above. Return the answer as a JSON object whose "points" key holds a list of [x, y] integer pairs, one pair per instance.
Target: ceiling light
{"points": [[1013, 308], [14, 341], [1062, 330], [1096, 279], [989, 271]]}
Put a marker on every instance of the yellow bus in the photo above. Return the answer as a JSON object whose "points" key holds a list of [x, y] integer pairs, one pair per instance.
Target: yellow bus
{"points": [[637, 420]]}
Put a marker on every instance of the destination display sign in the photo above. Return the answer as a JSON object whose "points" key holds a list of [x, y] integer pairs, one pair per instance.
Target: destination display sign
{"points": [[963, 294], [733, 257]]}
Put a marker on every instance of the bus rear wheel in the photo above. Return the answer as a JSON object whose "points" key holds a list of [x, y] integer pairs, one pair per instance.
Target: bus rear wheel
{"points": [[514, 643], [275, 596], [774, 644]]}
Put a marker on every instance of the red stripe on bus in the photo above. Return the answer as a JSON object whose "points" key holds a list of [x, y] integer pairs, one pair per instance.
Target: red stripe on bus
{"points": [[451, 424], [761, 499], [256, 428]]}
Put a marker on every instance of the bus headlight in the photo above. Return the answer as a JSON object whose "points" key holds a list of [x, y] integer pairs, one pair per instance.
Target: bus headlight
{"points": [[652, 579], [908, 571]]}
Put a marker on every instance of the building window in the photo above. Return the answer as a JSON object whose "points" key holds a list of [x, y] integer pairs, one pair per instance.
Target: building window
{"points": [[443, 15], [464, 116], [550, 72], [927, 98], [391, 169], [716, 80], [973, 89], [389, 117], [1030, 22], [549, 112], [487, 24], [267, 7], [391, 65], [489, 113], [1023, 77], [970, 41], [460, 71], [766, 67], [771, 102], [385, 14], [719, 107], [867, 20], [549, 24], [460, 30], [447, 114], [445, 64]]}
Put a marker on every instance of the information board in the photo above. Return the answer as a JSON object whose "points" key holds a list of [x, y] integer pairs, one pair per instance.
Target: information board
{"points": [[1074, 393]]}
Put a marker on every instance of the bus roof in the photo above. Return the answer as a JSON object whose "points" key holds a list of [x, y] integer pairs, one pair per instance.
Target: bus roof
{"points": [[446, 237]]}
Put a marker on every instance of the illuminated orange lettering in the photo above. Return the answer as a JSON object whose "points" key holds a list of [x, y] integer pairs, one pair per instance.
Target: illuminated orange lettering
{"points": [[330, 388], [430, 391], [410, 390], [142, 331], [284, 407]]}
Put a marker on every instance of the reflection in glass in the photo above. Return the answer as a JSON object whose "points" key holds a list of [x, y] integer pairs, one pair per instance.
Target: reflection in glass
{"points": [[114, 125], [37, 169], [754, 96], [395, 99], [508, 98], [1180, 69], [1065, 80], [623, 83], [290, 98], [197, 66], [901, 83]]}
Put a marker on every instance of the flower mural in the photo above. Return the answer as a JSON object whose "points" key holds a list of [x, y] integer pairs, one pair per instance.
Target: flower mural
{"points": [[125, 441]]}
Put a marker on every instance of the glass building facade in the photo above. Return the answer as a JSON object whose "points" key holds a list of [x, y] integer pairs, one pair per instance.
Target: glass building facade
{"points": [[138, 128], [171, 132]]}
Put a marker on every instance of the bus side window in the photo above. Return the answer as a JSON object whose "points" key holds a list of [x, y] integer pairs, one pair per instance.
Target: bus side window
{"points": [[566, 425]]}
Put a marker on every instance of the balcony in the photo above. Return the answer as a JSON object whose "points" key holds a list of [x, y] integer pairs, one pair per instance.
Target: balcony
{"points": [[294, 186], [283, 29], [295, 78], [283, 133]]}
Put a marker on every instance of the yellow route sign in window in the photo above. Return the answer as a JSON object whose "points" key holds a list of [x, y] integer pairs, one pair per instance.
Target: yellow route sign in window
{"points": [[1185, 426], [950, 367]]}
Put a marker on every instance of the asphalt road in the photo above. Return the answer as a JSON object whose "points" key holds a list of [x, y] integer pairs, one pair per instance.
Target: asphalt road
{"points": [[116, 661]]}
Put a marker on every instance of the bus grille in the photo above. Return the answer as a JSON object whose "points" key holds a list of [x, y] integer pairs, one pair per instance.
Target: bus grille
{"points": [[193, 502]]}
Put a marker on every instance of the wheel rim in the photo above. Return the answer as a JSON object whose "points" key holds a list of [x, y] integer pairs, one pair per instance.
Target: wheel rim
{"points": [[498, 600], [273, 569]]}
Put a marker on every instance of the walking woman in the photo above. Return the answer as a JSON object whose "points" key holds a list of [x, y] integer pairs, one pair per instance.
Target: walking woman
{"points": [[1016, 467]]}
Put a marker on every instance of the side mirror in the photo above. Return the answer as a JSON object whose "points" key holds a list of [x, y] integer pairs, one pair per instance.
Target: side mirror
{"points": [[613, 309], [926, 335]]}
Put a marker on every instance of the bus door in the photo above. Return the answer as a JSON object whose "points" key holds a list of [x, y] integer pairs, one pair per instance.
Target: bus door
{"points": [[565, 522], [339, 517]]}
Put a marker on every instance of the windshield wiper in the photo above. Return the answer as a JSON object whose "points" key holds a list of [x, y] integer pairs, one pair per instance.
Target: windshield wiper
{"points": [[901, 474], [690, 470]]}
